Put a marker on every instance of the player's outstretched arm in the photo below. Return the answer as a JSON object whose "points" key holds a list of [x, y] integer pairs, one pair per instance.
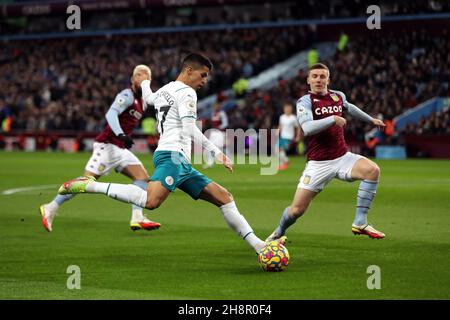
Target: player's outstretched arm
{"points": [[112, 117], [377, 122], [191, 130], [358, 113], [361, 115], [147, 93], [222, 157], [310, 127], [122, 101]]}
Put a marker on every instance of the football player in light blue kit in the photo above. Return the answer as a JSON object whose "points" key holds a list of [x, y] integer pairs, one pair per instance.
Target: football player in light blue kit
{"points": [[176, 110]]}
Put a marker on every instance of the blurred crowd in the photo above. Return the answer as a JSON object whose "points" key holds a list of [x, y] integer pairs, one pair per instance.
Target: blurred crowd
{"points": [[243, 12], [438, 123], [68, 84], [383, 74]]}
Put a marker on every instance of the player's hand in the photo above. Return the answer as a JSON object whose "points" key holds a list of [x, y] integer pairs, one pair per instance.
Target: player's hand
{"points": [[145, 82], [126, 140], [340, 122], [380, 124], [226, 162]]}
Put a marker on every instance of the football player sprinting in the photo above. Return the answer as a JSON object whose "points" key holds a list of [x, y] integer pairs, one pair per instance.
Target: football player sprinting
{"points": [[319, 114], [176, 109], [110, 150]]}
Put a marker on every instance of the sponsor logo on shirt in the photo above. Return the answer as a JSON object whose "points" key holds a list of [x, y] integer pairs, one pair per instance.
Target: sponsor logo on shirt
{"points": [[327, 110], [136, 114]]}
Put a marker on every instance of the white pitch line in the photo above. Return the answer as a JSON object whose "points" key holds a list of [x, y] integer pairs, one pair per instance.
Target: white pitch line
{"points": [[16, 190]]}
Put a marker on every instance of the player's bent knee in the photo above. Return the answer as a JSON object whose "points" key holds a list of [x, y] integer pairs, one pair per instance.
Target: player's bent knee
{"points": [[153, 204], [374, 172], [225, 198], [143, 178], [297, 211]]}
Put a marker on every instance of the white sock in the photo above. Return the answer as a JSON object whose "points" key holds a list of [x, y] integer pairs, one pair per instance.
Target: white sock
{"points": [[255, 242], [128, 193], [237, 222], [97, 187], [136, 212]]}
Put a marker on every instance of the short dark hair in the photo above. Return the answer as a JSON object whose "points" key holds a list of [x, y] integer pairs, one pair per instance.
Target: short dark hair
{"points": [[196, 60], [318, 66]]}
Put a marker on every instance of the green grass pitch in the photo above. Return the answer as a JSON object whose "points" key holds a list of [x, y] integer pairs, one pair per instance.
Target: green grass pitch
{"points": [[194, 255]]}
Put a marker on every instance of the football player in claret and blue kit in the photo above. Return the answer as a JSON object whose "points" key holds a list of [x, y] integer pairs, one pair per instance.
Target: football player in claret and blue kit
{"points": [[320, 115], [111, 150]]}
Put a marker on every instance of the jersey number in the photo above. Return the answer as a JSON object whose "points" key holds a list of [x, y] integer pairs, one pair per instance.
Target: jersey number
{"points": [[164, 110]]}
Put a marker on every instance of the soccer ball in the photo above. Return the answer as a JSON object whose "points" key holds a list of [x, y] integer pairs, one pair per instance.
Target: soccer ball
{"points": [[273, 257]]}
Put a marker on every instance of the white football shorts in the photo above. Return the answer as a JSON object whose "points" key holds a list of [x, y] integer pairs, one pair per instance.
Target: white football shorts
{"points": [[318, 174], [107, 156]]}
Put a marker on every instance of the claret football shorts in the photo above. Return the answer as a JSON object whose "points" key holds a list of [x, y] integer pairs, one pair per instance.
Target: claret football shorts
{"points": [[317, 174]]}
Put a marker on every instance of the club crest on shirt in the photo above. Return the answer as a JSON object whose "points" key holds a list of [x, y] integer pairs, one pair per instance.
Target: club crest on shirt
{"points": [[191, 105], [306, 180], [334, 97], [169, 180]]}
